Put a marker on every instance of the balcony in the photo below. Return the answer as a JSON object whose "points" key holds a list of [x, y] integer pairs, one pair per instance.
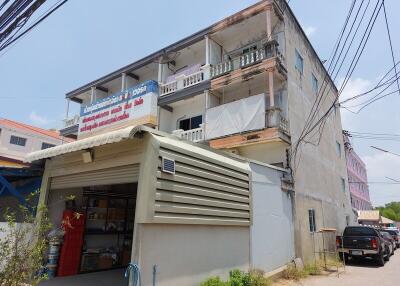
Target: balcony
{"points": [[246, 121], [275, 119], [68, 122], [70, 126], [268, 51], [194, 135], [183, 81]]}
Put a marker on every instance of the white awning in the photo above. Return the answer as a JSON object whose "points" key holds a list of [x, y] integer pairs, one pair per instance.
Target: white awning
{"points": [[110, 137]]}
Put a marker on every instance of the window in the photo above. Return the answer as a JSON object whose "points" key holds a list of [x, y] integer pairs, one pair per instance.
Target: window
{"points": [[338, 149], [249, 49], [47, 145], [343, 182], [314, 83], [299, 62], [17, 140], [359, 231], [191, 123], [311, 220]]}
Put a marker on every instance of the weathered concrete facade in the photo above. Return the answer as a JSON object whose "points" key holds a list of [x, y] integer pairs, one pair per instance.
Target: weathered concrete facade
{"points": [[319, 171], [262, 52]]}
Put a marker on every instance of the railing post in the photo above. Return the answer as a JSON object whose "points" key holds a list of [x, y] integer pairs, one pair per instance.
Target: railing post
{"points": [[123, 81], [67, 111], [269, 25], [92, 94]]}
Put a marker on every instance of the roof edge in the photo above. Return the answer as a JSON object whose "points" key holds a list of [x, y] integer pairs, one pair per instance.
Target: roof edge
{"points": [[186, 41]]}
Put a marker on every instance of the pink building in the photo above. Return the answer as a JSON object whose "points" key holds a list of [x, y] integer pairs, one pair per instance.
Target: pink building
{"points": [[358, 182]]}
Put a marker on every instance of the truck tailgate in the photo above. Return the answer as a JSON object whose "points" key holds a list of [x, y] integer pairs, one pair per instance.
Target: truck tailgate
{"points": [[357, 242]]}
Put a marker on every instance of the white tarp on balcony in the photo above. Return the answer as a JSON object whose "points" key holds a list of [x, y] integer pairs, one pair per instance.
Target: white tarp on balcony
{"points": [[239, 116]]}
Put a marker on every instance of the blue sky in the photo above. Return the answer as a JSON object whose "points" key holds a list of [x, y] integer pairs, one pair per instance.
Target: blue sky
{"points": [[87, 39]]}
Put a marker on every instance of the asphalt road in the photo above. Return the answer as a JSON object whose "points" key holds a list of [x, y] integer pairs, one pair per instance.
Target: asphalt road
{"points": [[364, 273]]}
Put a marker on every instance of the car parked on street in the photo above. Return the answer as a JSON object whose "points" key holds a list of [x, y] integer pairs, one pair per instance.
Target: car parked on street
{"points": [[395, 234], [363, 242], [389, 241]]}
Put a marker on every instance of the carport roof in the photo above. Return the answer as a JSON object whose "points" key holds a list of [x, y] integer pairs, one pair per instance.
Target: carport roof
{"points": [[129, 133]]}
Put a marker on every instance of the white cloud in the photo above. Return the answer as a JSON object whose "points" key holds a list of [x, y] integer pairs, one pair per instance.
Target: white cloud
{"points": [[353, 87], [38, 119], [379, 166], [310, 30]]}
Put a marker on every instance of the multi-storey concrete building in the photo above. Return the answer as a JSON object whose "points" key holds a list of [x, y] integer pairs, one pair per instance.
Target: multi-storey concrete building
{"points": [[244, 85], [358, 181], [18, 139]]}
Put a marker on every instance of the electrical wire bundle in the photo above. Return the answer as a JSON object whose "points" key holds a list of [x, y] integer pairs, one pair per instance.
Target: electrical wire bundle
{"points": [[15, 19], [358, 26]]}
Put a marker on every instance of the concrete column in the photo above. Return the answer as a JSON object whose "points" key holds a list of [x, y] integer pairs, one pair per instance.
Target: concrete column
{"points": [[67, 111], [269, 24], [271, 88], [123, 81], [160, 71], [92, 94], [207, 49], [207, 99]]}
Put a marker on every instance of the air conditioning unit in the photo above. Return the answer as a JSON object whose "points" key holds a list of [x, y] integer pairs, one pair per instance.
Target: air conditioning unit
{"points": [[168, 165]]}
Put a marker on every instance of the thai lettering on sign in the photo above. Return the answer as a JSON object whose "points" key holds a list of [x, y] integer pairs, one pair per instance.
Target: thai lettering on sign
{"points": [[138, 103]]}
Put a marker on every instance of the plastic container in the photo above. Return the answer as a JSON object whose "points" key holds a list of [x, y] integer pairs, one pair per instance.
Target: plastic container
{"points": [[54, 249], [51, 270], [52, 259]]}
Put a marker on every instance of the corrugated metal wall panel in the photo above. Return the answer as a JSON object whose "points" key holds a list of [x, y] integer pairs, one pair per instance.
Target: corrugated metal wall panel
{"points": [[116, 175], [201, 192]]}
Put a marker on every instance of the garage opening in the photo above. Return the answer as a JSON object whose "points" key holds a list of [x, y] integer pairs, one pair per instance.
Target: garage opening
{"points": [[98, 221]]}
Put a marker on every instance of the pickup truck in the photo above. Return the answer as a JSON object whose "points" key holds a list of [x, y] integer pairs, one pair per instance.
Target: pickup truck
{"points": [[362, 242]]}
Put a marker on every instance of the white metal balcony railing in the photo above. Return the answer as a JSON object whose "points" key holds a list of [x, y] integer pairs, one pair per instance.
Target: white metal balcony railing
{"points": [[193, 79], [221, 68], [182, 82], [274, 118], [194, 135], [269, 50], [252, 57], [68, 122], [168, 88]]}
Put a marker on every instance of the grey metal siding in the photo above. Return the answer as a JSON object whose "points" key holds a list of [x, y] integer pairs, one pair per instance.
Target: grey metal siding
{"points": [[109, 176], [201, 191]]}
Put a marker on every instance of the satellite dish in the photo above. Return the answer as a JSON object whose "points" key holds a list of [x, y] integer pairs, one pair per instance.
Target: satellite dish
{"points": [[167, 58]]}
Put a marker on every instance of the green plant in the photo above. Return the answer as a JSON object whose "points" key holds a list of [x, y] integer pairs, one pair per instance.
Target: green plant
{"points": [[257, 278], [240, 278], [213, 281], [293, 273], [23, 246], [313, 269]]}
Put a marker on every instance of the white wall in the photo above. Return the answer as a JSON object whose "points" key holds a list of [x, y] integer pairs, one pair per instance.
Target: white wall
{"points": [[188, 254], [33, 143], [183, 109], [272, 232]]}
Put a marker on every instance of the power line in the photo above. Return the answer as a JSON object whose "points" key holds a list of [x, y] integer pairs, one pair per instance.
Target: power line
{"points": [[385, 151], [390, 42], [350, 71], [383, 183], [370, 133], [33, 25], [324, 84], [395, 180]]}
